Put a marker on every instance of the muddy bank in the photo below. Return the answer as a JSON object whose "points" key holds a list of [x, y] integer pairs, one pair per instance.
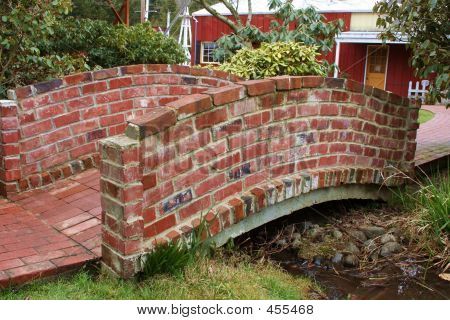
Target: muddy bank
{"points": [[354, 250]]}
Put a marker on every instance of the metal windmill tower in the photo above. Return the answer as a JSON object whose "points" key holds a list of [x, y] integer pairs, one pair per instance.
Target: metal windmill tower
{"points": [[185, 38]]}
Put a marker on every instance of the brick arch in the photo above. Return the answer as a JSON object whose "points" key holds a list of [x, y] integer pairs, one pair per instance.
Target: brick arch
{"points": [[232, 154], [51, 130]]}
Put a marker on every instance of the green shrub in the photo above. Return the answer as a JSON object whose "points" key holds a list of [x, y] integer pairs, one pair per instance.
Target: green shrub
{"points": [[23, 24], [39, 42], [108, 45], [274, 59]]}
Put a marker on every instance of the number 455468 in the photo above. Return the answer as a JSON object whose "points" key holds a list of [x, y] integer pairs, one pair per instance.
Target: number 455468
{"points": [[288, 309]]}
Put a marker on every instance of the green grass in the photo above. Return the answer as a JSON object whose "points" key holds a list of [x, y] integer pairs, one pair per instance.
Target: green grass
{"points": [[219, 278], [429, 198], [425, 115]]}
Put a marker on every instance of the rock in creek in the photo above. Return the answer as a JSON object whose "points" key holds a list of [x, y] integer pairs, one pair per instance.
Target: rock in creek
{"points": [[388, 249], [297, 243], [337, 234], [388, 238], [352, 248], [356, 234], [316, 233], [337, 258], [296, 236], [370, 245], [372, 231], [350, 260], [317, 260]]}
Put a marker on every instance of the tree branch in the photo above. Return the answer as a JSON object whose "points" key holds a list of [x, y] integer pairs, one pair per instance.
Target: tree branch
{"points": [[250, 13], [219, 16], [233, 11]]}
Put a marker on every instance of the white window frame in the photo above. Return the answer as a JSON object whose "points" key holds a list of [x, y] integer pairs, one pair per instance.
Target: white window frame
{"points": [[202, 50]]}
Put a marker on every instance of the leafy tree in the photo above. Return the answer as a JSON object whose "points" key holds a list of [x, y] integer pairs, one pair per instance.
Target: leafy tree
{"points": [[426, 24], [291, 25], [23, 22]]}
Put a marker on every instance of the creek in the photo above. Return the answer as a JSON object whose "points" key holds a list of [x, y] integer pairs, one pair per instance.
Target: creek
{"points": [[317, 242]]}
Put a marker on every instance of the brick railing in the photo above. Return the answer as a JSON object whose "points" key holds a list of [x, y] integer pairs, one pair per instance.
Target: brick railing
{"points": [[230, 152], [51, 130]]}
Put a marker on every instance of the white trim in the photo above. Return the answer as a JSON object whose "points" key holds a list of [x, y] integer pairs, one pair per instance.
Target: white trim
{"points": [[322, 6], [336, 59], [367, 61], [201, 53], [387, 66], [365, 65], [200, 14], [368, 37]]}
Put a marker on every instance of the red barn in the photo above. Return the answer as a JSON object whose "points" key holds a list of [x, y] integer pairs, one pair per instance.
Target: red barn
{"points": [[358, 51]]}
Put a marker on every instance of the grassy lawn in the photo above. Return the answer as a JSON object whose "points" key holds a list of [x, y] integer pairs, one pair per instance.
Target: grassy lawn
{"points": [[219, 278], [425, 115]]}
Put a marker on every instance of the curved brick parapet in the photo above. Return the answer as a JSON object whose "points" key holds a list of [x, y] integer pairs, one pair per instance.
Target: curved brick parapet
{"points": [[50, 130], [233, 152]]}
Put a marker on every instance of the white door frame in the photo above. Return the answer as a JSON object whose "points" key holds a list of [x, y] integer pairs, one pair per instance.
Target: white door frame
{"points": [[367, 61]]}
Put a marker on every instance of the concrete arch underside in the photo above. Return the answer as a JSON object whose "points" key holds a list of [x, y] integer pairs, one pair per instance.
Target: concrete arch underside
{"points": [[291, 205]]}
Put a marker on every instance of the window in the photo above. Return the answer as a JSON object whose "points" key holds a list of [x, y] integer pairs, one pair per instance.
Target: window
{"points": [[207, 52]]}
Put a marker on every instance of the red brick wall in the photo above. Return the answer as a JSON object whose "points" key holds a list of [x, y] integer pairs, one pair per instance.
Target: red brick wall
{"points": [[229, 152], [52, 129]]}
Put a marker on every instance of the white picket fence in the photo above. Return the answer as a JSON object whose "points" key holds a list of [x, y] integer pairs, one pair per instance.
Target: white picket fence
{"points": [[418, 92]]}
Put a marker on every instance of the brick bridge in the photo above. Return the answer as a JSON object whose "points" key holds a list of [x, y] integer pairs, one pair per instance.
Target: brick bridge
{"points": [[190, 144]]}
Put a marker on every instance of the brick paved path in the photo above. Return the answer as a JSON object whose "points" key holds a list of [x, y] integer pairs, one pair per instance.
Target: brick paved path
{"points": [[44, 232], [433, 137]]}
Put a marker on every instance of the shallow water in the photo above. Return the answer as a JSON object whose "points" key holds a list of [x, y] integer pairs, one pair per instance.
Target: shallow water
{"points": [[402, 279], [408, 281]]}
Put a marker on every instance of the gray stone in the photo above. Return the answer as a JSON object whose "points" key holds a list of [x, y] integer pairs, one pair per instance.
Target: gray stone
{"points": [[352, 248], [337, 258], [297, 236], [337, 234], [350, 260], [385, 238], [390, 248], [296, 244], [372, 231], [370, 245], [317, 260], [315, 233], [356, 234], [281, 242], [306, 225]]}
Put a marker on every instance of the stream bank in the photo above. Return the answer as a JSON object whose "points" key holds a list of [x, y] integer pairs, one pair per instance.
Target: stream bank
{"points": [[353, 250]]}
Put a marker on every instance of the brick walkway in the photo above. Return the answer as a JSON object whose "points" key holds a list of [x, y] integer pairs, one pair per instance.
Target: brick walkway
{"points": [[44, 232], [433, 137]]}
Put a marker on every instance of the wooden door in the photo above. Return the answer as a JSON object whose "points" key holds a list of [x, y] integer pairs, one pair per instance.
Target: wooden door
{"points": [[377, 57]]}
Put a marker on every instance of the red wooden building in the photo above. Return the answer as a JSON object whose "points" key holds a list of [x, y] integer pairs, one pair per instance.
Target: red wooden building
{"points": [[358, 51]]}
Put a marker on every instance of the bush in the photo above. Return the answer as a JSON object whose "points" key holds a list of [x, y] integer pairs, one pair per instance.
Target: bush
{"points": [[109, 45], [274, 59], [62, 45], [23, 24]]}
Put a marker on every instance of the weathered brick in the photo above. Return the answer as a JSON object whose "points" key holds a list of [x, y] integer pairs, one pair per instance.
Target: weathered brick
{"points": [[258, 87]]}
